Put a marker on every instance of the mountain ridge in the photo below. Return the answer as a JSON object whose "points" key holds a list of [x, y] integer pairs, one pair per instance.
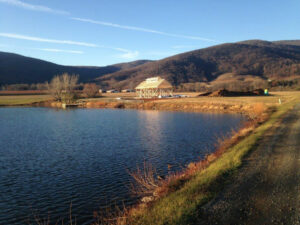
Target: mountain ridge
{"points": [[274, 60], [257, 58], [15, 68]]}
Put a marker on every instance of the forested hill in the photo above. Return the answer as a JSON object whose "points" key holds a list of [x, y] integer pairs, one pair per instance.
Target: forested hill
{"points": [[254, 58], [16, 68], [263, 59]]}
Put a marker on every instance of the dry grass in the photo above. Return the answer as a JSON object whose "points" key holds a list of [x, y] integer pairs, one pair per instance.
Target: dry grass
{"points": [[146, 180], [117, 95], [47, 220], [111, 216], [257, 111], [105, 104], [23, 99], [25, 92], [272, 99], [252, 106]]}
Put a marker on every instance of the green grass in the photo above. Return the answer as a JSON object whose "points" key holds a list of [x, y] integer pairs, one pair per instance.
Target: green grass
{"points": [[22, 99], [180, 207]]}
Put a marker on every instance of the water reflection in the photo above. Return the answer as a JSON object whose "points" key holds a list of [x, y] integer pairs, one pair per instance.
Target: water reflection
{"points": [[150, 124]]}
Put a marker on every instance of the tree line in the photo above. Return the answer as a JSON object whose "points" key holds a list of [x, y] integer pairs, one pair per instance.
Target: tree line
{"points": [[64, 88], [274, 85]]}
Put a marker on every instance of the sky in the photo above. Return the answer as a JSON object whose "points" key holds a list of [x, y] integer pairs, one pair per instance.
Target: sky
{"points": [[104, 32]]}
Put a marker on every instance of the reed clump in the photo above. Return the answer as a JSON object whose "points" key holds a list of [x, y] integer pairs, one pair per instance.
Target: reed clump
{"points": [[258, 111], [38, 220], [111, 216], [146, 180]]}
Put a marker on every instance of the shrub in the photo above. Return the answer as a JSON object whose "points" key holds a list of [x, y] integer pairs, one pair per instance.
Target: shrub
{"points": [[90, 90]]}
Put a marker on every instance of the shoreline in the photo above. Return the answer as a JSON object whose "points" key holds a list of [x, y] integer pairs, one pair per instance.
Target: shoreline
{"points": [[240, 105], [158, 105]]}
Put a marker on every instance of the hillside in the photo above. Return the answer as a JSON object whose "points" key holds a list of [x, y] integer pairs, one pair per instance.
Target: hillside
{"points": [[289, 42], [256, 58], [15, 68]]}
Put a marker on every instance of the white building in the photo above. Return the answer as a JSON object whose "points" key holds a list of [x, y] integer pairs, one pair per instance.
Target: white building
{"points": [[154, 87]]}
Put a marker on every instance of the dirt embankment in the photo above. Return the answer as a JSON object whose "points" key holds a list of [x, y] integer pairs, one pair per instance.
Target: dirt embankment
{"points": [[187, 105], [170, 105], [227, 93], [53, 104], [267, 188]]}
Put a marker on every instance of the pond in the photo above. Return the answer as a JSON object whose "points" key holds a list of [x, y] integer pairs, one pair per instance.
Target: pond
{"points": [[51, 158]]}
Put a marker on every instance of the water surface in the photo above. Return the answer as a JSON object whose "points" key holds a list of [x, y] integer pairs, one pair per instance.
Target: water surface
{"points": [[50, 158]]}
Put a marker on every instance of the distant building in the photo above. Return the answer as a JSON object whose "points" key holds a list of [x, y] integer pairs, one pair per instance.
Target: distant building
{"points": [[266, 91], [127, 90], [112, 91], [154, 87]]}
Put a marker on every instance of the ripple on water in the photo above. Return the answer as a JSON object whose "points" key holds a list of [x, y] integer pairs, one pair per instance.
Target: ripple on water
{"points": [[50, 158]]}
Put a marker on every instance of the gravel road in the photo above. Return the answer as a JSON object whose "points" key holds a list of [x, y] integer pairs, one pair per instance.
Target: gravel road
{"points": [[266, 190]]}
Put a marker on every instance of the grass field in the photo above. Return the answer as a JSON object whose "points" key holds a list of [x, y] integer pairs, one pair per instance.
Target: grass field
{"points": [[271, 99], [15, 100]]}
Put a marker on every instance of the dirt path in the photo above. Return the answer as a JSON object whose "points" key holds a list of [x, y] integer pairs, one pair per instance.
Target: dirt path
{"points": [[266, 190]]}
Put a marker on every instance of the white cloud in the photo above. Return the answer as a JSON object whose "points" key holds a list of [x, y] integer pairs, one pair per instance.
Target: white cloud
{"points": [[142, 29], [38, 39], [129, 55], [28, 6], [59, 50], [119, 49]]}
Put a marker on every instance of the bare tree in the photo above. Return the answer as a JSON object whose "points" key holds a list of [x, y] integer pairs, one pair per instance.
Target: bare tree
{"points": [[41, 86], [90, 90], [55, 88], [62, 87]]}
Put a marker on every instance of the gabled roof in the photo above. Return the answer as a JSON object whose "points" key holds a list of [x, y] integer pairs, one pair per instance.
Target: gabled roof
{"points": [[154, 82]]}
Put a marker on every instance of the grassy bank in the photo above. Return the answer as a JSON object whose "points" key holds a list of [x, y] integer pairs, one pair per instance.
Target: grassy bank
{"points": [[181, 206], [15, 100], [193, 104]]}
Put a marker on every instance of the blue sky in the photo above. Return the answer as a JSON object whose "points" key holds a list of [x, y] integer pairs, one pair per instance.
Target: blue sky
{"points": [[103, 32]]}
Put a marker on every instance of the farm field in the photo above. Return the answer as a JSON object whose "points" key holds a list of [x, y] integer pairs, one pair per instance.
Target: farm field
{"points": [[14, 100]]}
